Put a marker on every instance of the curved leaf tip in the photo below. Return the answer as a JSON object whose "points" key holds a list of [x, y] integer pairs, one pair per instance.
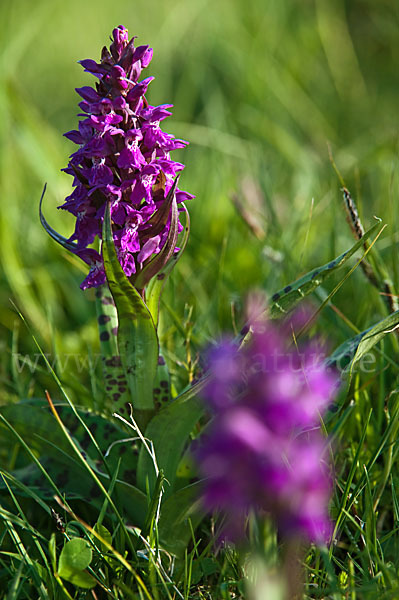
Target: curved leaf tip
{"points": [[57, 237]]}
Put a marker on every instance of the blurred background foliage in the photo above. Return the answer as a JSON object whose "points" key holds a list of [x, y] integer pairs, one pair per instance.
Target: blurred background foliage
{"points": [[260, 89]]}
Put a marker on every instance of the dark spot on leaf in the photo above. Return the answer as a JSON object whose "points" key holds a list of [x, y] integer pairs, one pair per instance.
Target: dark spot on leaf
{"points": [[165, 399], [108, 429], [156, 391], [73, 426], [129, 475], [115, 361], [63, 478], [315, 274], [164, 384], [112, 382], [114, 331], [331, 264], [95, 491], [115, 397], [104, 336], [122, 390], [245, 329], [161, 360], [275, 297], [161, 276], [93, 427], [85, 441], [121, 376], [98, 294], [287, 289], [102, 319]]}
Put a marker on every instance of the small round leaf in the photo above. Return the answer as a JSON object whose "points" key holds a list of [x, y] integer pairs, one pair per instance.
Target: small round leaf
{"points": [[76, 555]]}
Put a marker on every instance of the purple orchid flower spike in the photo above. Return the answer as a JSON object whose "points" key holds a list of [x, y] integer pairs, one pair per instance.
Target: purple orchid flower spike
{"points": [[123, 158], [264, 451]]}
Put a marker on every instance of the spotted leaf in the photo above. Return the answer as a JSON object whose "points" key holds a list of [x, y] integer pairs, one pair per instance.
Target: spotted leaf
{"points": [[137, 337], [287, 298]]}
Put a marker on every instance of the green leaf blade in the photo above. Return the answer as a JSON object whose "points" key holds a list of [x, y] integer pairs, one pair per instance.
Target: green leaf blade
{"points": [[291, 295], [169, 431], [157, 283], [375, 334], [351, 351], [137, 337]]}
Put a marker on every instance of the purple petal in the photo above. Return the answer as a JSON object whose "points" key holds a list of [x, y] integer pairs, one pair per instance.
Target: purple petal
{"points": [[91, 66], [139, 89], [74, 136], [151, 246], [88, 93]]}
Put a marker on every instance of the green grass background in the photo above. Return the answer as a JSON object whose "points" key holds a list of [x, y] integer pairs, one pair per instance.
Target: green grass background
{"points": [[259, 90]]}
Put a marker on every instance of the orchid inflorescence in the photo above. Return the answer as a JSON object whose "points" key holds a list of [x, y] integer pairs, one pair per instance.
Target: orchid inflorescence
{"points": [[264, 451], [123, 159]]}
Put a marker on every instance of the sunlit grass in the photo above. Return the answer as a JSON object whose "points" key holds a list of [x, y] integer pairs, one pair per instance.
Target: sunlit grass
{"points": [[260, 90]]}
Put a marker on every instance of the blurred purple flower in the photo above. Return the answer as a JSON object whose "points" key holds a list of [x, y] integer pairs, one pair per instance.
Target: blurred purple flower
{"points": [[263, 450], [123, 157]]}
